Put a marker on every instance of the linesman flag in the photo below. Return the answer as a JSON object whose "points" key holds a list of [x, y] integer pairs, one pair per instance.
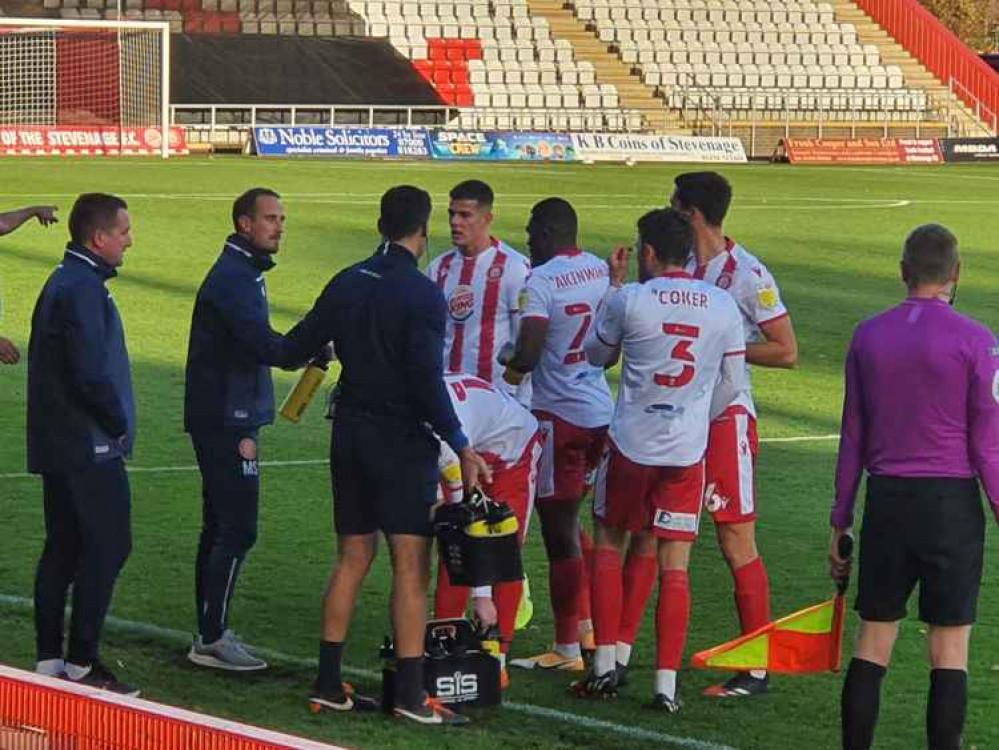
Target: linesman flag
{"points": [[807, 641]]}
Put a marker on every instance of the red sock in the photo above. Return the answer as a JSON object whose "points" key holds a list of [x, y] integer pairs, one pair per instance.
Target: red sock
{"points": [[507, 598], [564, 580], [449, 601], [640, 573], [752, 595], [672, 618], [583, 606], [606, 594]]}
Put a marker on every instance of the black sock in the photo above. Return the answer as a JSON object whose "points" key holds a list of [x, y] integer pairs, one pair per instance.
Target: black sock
{"points": [[409, 682], [860, 703], [945, 709], [330, 659]]}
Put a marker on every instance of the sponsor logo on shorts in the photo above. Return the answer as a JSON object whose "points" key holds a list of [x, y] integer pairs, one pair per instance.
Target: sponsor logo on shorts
{"points": [[102, 449], [685, 522], [461, 303]]}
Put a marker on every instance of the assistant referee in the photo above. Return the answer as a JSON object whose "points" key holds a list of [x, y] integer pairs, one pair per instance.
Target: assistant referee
{"points": [[921, 415], [386, 321]]}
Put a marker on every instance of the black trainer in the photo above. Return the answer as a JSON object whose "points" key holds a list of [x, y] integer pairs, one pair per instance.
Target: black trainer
{"points": [[662, 702], [99, 676], [741, 685], [343, 700], [622, 674], [600, 686]]}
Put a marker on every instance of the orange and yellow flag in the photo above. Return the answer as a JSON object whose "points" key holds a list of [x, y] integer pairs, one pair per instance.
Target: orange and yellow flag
{"points": [[810, 640]]}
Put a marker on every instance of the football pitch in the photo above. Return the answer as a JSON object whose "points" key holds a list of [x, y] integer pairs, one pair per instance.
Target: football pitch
{"points": [[831, 236]]}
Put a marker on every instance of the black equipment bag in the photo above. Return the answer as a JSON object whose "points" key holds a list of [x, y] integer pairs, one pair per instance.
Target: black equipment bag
{"points": [[479, 541], [456, 671]]}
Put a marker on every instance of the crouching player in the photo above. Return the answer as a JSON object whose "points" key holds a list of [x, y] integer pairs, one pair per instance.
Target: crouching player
{"points": [[684, 351], [506, 436]]}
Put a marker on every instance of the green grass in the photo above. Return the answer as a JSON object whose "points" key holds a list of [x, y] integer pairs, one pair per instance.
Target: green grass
{"points": [[831, 237]]}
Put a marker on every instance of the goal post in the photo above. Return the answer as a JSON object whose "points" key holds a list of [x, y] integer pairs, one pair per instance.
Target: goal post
{"points": [[87, 78]]}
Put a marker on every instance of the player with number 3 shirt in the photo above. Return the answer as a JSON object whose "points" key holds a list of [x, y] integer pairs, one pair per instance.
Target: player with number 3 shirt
{"points": [[684, 360]]}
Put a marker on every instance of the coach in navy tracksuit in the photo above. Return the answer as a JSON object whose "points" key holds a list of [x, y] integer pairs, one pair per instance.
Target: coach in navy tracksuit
{"points": [[81, 426], [229, 395]]}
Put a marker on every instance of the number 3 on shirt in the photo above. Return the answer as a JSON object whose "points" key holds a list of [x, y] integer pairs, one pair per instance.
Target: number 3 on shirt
{"points": [[681, 352], [576, 353]]}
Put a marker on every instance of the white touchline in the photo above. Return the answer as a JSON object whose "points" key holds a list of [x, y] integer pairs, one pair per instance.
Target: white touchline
{"points": [[182, 638], [324, 461]]}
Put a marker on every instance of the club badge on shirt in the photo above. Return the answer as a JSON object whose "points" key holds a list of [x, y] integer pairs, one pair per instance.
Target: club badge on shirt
{"points": [[461, 303]]}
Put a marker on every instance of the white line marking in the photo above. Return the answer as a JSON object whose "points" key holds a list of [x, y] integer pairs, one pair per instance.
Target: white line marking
{"points": [[325, 461], [182, 638]]}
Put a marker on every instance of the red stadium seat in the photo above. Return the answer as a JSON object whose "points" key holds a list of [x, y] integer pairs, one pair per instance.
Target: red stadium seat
{"points": [[442, 77], [190, 5], [463, 96], [459, 75], [456, 54], [230, 23], [193, 23], [437, 53]]}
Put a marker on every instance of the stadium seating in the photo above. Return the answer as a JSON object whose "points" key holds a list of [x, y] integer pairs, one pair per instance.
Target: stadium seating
{"points": [[288, 17], [496, 57], [751, 57]]}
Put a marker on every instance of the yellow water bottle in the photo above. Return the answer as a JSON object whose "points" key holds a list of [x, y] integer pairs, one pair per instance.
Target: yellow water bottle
{"points": [[304, 391]]}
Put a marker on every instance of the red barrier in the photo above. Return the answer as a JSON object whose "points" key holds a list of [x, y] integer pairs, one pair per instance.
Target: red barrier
{"points": [[935, 46], [41, 713]]}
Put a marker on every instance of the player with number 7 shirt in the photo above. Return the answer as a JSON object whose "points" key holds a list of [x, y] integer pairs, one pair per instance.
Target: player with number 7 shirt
{"points": [[573, 405]]}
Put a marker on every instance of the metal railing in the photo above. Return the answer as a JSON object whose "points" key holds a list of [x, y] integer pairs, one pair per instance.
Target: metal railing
{"points": [[209, 121], [961, 100]]}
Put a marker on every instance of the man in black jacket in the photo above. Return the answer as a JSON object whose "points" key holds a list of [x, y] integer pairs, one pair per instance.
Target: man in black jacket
{"points": [[229, 396], [386, 321], [81, 427]]}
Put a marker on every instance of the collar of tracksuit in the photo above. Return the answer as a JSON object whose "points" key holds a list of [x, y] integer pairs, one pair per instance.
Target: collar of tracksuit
{"points": [[396, 252], [238, 245], [86, 256]]}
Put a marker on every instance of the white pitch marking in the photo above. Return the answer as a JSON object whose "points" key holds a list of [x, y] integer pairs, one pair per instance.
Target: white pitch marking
{"points": [[323, 461], [180, 637]]}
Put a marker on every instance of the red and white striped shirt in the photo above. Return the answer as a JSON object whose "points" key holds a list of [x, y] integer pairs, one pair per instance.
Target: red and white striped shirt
{"points": [[483, 301], [755, 291]]}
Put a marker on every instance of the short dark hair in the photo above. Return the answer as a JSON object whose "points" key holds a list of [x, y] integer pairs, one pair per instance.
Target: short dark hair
{"points": [[93, 212], [708, 192], [246, 204], [559, 217], [405, 210], [669, 234], [930, 255], [473, 190]]}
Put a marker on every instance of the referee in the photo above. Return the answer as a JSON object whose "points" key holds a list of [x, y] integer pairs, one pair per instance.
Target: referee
{"points": [[921, 414], [386, 321]]}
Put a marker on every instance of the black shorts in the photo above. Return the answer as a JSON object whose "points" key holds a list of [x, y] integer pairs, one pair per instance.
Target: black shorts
{"points": [[384, 473], [927, 530]]}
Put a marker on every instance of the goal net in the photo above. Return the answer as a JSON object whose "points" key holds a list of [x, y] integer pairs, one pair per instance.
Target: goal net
{"points": [[86, 77]]}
